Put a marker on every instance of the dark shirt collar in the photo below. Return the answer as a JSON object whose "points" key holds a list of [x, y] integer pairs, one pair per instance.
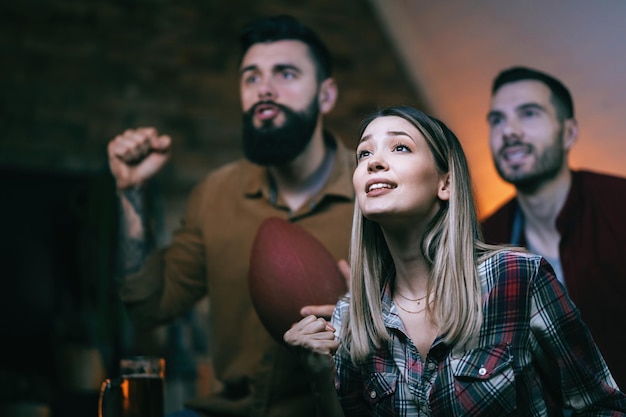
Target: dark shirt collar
{"points": [[258, 183]]}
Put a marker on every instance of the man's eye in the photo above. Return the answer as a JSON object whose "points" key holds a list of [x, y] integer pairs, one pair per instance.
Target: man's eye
{"points": [[494, 120], [287, 75], [250, 79], [530, 113]]}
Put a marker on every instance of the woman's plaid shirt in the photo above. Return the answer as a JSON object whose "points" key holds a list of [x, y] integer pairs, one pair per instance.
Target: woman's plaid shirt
{"points": [[533, 357]]}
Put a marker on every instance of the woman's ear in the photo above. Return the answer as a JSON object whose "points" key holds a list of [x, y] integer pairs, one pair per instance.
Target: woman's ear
{"points": [[444, 188], [327, 95]]}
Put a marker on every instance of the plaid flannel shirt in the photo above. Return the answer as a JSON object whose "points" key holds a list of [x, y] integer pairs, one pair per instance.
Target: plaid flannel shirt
{"points": [[534, 356]]}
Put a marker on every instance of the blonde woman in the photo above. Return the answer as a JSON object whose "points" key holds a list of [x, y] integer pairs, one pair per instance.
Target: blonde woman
{"points": [[438, 322]]}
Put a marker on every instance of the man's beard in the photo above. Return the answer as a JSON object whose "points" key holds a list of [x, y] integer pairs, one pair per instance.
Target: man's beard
{"points": [[547, 167], [271, 145]]}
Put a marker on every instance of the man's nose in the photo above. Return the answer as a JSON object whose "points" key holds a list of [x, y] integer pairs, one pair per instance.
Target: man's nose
{"points": [[266, 90], [512, 130]]}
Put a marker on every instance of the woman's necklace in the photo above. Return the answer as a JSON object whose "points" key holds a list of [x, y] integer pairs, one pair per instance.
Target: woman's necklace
{"points": [[412, 311], [417, 300]]}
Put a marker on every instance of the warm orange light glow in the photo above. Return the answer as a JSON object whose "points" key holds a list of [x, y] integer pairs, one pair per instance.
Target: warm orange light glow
{"points": [[125, 395], [489, 190], [454, 72]]}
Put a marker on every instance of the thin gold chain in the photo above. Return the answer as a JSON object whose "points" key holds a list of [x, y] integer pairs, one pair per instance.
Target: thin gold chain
{"points": [[410, 311], [418, 300]]}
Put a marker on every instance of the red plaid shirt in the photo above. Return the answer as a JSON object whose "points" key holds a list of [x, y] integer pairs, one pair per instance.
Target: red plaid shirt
{"points": [[534, 356]]}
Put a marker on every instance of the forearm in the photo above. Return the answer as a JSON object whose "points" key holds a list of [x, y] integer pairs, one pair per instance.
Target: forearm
{"points": [[321, 375], [134, 241]]}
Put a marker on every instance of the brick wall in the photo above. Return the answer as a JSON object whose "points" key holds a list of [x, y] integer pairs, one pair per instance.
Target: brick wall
{"points": [[77, 72]]}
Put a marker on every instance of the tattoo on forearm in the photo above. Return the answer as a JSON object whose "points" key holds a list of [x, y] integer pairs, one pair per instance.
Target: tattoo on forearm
{"points": [[133, 253], [134, 243]]}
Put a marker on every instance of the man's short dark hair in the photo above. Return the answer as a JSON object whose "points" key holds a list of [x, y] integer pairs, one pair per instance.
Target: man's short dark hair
{"points": [[284, 27], [561, 96]]}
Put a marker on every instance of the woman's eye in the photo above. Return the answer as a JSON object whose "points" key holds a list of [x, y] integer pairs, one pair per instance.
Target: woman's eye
{"points": [[402, 148], [362, 154]]}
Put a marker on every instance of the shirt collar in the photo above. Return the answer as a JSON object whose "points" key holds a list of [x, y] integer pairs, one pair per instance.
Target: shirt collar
{"points": [[256, 181], [568, 217], [390, 313]]}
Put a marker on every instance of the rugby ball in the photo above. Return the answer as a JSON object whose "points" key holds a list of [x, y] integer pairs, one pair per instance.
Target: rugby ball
{"points": [[290, 268]]}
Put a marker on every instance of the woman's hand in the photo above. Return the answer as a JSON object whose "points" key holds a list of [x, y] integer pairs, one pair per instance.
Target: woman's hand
{"points": [[313, 334]]}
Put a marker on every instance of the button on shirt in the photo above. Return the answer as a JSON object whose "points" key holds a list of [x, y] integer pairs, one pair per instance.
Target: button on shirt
{"points": [[532, 343]]}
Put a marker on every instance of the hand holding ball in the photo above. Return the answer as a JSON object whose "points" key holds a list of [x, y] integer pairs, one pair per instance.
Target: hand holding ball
{"points": [[290, 268]]}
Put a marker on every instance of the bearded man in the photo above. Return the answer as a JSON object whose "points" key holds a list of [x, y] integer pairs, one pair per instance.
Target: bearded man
{"points": [[574, 219], [294, 169]]}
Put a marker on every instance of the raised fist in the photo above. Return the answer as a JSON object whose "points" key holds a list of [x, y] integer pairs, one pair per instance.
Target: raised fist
{"points": [[137, 155]]}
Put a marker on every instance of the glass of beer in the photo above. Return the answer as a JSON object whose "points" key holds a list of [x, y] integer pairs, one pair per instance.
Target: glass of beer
{"points": [[138, 392]]}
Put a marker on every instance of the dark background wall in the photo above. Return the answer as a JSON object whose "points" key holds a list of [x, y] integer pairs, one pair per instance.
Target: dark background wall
{"points": [[76, 72], [73, 74]]}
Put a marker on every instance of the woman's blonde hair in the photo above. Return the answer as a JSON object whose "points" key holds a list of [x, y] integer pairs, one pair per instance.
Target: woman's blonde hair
{"points": [[452, 245]]}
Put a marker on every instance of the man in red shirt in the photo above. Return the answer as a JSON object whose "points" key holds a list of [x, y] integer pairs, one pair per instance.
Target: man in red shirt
{"points": [[575, 219]]}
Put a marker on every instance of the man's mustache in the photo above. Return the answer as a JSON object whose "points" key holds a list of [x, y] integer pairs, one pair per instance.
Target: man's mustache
{"points": [[530, 148], [265, 103]]}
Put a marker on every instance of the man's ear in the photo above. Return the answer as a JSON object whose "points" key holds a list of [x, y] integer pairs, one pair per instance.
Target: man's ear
{"points": [[444, 188], [570, 133], [327, 95]]}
